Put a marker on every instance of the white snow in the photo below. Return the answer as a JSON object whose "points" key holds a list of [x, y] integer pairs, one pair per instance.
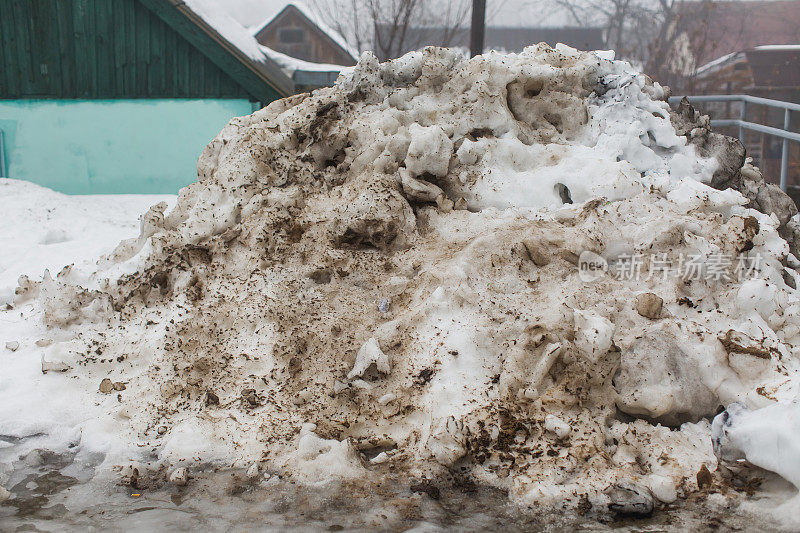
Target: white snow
{"points": [[766, 437], [369, 354], [319, 461], [33, 402], [216, 14], [593, 334], [711, 65], [43, 229], [778, 47]]}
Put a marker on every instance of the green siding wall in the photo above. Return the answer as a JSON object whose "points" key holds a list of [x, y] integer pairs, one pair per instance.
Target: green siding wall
{"points": [[101, 49], [111, 146]]}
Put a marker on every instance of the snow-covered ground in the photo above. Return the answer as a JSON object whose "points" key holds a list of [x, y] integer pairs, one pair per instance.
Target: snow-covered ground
{"points": [[43, 229]]}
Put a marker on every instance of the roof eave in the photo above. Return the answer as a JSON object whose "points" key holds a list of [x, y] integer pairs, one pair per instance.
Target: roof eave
{"points": [[266, 71]]}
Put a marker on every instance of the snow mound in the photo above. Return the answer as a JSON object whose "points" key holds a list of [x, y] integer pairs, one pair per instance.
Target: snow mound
{"points": [[389, 269]]}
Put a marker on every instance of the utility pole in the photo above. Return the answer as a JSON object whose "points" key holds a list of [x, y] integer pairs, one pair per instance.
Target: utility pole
{"points": [[478, 28]]}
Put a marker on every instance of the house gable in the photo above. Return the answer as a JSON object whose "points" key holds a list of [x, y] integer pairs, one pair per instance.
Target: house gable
{"points": [[293, 33]]}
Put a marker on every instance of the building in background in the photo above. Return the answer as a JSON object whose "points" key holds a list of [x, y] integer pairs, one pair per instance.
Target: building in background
{"points": [[296, 32], [701, 31], [309, 51], [121, 96], [768, 71], [503, 39], [717, 28]]}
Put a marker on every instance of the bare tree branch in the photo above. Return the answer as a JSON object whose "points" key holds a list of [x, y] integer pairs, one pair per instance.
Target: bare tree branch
{"points": [[384, 26]]}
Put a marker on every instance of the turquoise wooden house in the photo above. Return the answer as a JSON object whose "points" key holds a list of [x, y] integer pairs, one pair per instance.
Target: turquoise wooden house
{"points": [[121, 96]]}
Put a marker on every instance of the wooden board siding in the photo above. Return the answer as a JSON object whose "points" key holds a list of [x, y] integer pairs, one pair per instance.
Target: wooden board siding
{"points": [[101, 49], [315, 45]]}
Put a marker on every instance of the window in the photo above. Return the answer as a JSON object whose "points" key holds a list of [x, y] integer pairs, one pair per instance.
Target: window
{"points": [[291, 35]]}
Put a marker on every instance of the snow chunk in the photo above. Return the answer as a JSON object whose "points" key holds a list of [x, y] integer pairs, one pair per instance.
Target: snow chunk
{"points": [[766, 437], [592, 334], [690, 194], [179, 477], [555, 425], [429, 151], [658, 378], [317, 460], [370, 354]]}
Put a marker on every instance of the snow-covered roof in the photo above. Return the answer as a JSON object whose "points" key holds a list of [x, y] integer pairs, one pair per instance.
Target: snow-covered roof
{"points": [[291, 64], [712, 66], [778, 47], [215, 15], [334, 35], [733, 57]]}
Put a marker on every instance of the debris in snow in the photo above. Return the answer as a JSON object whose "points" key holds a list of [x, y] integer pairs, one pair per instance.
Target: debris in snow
{"points": [[629, 498], [252, 398], [12, 346], [738, 342], [211, 398], [704, 478], [428, 488], [465, 192], [4, 494], [383, 305], [106, 386], [129, 475], [649, 305]]}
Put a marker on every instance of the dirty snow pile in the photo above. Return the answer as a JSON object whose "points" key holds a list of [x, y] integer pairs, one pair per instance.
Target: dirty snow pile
{"points": [[384, 276]]}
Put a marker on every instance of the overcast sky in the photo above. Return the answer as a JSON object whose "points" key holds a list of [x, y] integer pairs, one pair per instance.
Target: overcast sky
{"points": [[499, 12]]}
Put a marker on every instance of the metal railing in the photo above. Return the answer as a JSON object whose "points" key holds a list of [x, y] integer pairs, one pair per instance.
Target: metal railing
{"points": [[743, 124], [2, 155]]}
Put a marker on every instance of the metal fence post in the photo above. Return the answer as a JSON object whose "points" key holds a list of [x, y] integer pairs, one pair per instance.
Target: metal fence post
{"points": [[742, 117], [2, 155], [787, 123]]}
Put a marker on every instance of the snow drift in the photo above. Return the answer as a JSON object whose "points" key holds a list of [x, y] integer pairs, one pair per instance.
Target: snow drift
{"points": [[386, 276]]}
